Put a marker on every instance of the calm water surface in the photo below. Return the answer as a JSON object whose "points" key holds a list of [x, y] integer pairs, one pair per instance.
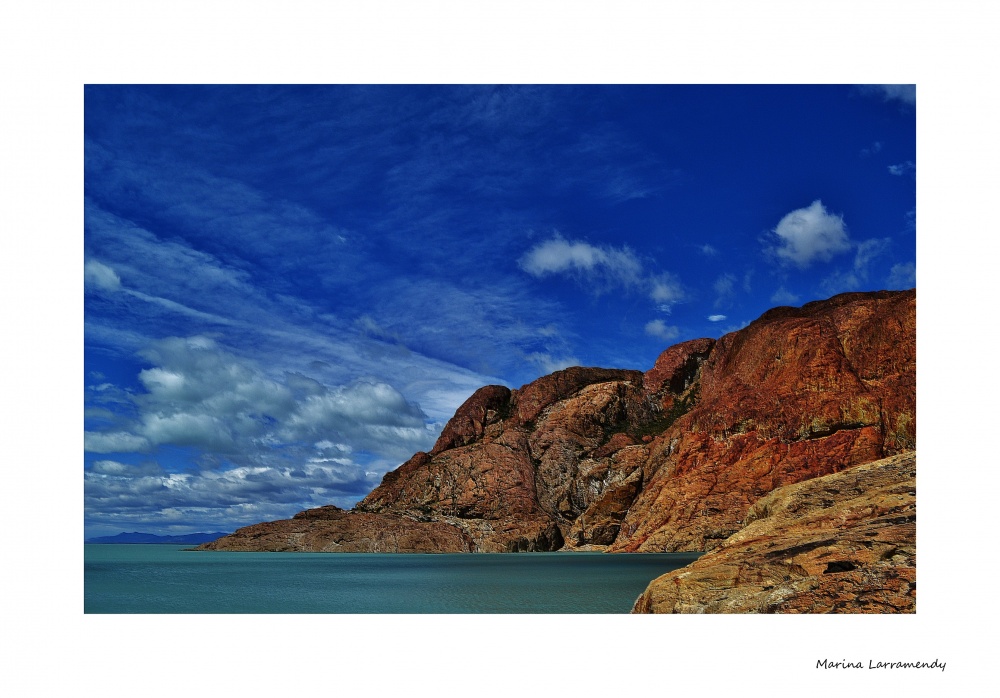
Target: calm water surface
{"points": [[169, 579]]}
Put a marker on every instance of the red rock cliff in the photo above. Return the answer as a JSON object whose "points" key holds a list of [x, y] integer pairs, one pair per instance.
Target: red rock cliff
{"points": [[797, 394], [668, 460]]}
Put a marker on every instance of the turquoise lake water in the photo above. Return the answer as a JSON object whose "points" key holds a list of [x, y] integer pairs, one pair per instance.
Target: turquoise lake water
{"points": [[170, 579]]}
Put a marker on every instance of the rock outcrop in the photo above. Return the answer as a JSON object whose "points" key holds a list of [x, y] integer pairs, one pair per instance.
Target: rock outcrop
{"points": [[330, 529], [841, 543], [667, 460], [799, 393]]}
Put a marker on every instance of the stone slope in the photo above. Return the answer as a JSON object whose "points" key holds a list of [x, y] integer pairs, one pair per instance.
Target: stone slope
{"points": [[841, 543], [667, 460]]}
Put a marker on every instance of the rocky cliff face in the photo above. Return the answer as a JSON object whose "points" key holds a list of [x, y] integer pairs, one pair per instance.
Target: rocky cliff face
{"points": [[797, 394], [666, 460], [843, 543]]}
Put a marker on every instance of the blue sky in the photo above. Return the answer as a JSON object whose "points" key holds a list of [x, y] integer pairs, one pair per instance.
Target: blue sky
{"points": [[289, 289]]}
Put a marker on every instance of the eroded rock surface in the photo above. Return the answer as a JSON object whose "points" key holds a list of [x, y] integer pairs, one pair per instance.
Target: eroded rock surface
{"points": [[840, 543], [666, 460], [799, 393]]}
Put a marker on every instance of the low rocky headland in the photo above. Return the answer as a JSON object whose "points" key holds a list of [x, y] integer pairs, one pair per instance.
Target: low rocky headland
{"points": [[720, 442], [844, 542]]}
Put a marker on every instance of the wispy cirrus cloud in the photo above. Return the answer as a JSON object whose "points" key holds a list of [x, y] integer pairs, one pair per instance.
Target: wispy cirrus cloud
{"points": [[872, 149], [902, 276], [856, 276], [905, 94], [166, 287], [549, 364], [783, 296], [725, 290], [101, 276], [903, 168]]}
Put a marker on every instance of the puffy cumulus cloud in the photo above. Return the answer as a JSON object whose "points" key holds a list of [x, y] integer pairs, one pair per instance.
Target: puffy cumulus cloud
{"points": [[185, 429], [275, 444], [661, 330], [810, 234], [198, 394], [902, 276], [561, 256], [98, 275], [716, 318]]}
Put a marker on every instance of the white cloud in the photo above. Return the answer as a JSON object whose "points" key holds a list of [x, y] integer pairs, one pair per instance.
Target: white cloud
{"points": [[198, 394], [810, 234], [601, 268], [907, 94], [367, 325], [725, 289], [550, 364], [856, 278], [872, 149], [187, 429], [110, 467], [113, 442], [115, 493], [666, 290], [868, 250], [903, 168], [902, 276], [561, 256], [708, 250], [660, 330], [101, 276], [784, 297], [716, 318]]}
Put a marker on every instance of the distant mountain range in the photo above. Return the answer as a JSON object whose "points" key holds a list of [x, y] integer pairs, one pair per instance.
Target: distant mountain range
{"points": [[136, 537]]}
